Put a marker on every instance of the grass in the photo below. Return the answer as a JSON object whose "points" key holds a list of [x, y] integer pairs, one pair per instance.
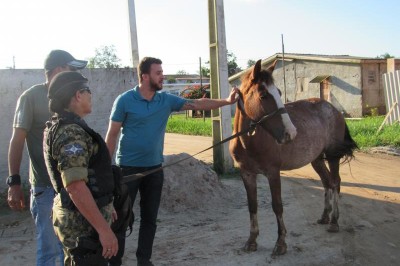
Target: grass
{"points": [[363, 131]]}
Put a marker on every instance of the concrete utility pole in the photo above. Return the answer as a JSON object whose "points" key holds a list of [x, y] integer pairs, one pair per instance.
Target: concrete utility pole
{"points": [[221, 120], [133, 33]]}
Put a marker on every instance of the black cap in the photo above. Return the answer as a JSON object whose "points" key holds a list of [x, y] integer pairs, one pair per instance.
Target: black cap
{"points": [[58, 58], [66, 83]]}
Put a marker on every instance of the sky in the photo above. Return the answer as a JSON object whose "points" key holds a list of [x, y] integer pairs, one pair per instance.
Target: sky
{"points": [[176, 31]]}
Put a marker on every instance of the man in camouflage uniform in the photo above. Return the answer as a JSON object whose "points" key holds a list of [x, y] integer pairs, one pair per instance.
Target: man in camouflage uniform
{"points": [[79, 167]]}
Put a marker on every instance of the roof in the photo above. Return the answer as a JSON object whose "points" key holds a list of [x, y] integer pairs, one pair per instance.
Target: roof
{"points": [[266, 63], [319, 79]]}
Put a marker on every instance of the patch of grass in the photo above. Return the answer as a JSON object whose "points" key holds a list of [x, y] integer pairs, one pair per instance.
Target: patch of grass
{"points": [[189, 126], [363, 131]]}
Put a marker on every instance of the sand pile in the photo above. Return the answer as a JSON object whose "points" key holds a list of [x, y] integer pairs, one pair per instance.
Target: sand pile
{"points": [[190, 184]]}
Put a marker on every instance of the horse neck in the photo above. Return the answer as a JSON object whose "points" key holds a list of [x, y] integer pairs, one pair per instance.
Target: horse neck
{"points": [[241, 121]]}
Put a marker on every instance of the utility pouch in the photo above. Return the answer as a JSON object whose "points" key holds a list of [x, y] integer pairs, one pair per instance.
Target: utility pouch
{"points": [[88, 252]]}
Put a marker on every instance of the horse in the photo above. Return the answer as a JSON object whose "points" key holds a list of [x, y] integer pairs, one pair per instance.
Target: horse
{"points": [[285, 137]]}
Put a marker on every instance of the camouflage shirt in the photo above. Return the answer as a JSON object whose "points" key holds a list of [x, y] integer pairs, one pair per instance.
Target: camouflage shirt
{"points": [[72, 149]]}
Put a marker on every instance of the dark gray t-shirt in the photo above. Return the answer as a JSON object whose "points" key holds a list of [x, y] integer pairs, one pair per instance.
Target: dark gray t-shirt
{"points": [[31, 114]]}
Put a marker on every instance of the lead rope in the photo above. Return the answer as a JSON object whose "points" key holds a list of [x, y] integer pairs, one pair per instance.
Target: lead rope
{"points": [[133, 177], [251, 128]]}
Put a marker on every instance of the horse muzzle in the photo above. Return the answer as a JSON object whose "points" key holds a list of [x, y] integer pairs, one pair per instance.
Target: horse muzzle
{"points": [[287, 136]]}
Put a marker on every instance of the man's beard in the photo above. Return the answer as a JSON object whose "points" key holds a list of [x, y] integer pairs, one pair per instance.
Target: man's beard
{"points": [[155, 86]]}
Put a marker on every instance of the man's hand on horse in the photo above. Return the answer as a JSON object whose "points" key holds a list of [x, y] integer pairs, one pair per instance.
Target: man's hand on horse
{"points": [[233, 96]]}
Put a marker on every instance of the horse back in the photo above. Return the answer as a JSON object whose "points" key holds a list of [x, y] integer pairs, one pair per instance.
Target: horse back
{"points": [[321, 131]]}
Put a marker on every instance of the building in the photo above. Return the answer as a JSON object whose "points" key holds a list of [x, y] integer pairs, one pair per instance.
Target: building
{"points": [[175, 84], [352, 84]]}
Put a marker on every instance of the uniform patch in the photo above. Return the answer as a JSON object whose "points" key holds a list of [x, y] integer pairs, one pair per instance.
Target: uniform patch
{"points": [[73, 149]]}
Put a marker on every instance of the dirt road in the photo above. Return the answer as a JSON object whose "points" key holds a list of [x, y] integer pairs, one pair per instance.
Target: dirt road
{"points": [[213, 232]]}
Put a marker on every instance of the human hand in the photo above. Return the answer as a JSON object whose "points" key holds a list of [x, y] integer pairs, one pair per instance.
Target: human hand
{"points": [[114, 215], [16, 198], [109, 243], [233, 96]]}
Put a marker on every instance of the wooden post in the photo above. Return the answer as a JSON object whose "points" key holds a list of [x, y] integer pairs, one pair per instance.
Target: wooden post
{"points": [[386, 117]]}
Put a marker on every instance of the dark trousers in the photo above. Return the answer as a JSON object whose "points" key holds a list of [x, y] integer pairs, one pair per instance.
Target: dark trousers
{"points": [[150, 188]]}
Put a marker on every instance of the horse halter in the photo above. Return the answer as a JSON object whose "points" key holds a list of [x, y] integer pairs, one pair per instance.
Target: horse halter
{"points": [[254, 124]]}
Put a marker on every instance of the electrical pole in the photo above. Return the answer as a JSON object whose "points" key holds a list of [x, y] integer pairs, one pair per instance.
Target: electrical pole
{"points": [[283, 67], [133, 33]]}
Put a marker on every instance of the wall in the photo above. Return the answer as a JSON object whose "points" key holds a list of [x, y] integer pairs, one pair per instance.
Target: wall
{"points": [[345, 83], [373, 87], [106, 85]]}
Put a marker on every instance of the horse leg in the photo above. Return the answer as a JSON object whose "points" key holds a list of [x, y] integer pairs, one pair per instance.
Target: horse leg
{"points": [[274, 180], [250, 183], [335, 183], [325, 176]]}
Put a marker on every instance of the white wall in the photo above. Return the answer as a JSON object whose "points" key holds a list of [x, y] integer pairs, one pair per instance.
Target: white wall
{"points": [[106, 85]]}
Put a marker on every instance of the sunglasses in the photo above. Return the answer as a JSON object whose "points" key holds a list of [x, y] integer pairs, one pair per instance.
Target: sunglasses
{"points": [[85, 90]]}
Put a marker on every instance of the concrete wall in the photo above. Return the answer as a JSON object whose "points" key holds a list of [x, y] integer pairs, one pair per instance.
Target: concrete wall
{"points": [[344, 83], [106, 85]]}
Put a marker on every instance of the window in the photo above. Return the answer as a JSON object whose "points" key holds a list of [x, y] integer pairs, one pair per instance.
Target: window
{"points": [[371, 76]]}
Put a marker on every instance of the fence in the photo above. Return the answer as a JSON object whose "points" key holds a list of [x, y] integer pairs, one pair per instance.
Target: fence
{"points": [[392, 97]]}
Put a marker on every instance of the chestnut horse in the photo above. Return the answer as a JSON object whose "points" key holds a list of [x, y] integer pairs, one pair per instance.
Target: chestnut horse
{"points": [[285, 137]]}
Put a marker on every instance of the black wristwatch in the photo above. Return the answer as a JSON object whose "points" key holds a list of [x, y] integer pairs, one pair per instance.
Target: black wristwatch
{"points": [[13, 180]]}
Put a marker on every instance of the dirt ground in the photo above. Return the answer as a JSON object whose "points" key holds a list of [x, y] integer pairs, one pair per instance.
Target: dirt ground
{"points": [[204, 220]]}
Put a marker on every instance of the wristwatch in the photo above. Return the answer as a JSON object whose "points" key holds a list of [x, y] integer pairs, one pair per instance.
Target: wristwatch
{"points": [[13, 180]]}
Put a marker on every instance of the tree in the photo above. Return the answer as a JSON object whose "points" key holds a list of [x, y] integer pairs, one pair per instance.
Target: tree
{"points": [[205, 71], [251, 63], [105, 57], [232, 66], [181, 72], [385, 56]]}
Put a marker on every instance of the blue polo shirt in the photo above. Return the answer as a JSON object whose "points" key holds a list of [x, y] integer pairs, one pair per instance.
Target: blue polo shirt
{"points": [[141, 141]]}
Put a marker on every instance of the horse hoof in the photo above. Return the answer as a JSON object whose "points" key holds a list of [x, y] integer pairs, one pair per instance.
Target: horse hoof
{"points": [[279, 249], [323, 220], [333, 228], [250, 247]]}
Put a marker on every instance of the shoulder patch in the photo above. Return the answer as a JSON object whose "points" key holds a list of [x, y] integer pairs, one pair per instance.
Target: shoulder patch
{"points": [[73, 149]]}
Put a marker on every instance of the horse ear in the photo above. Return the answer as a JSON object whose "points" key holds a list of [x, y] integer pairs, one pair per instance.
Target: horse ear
{"points": [[256, 71]]}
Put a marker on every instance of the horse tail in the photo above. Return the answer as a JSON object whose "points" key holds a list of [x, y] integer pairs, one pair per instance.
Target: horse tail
{"points": [[342, 149]]}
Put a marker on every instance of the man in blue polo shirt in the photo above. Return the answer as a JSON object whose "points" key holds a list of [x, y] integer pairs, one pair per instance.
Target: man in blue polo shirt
{"points": [[141, 114]]}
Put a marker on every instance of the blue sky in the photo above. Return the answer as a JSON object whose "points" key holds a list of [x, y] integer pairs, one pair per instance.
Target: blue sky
{"points": [[176, 31]]}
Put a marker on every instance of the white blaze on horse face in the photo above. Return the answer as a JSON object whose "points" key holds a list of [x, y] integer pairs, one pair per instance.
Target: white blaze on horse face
{"points": [[289, 127]]}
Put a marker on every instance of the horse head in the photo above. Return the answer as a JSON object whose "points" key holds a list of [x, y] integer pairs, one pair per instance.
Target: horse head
{"points": [[262, 104]]}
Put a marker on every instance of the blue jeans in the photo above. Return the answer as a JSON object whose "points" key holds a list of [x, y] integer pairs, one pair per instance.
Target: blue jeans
{"points": [[150, 188], [49, 248]]}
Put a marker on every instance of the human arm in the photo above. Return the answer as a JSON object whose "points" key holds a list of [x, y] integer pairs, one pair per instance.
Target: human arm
{"points": [[209, 104], [112, 135], [72, 149], [15, 197], [84, 202]]}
